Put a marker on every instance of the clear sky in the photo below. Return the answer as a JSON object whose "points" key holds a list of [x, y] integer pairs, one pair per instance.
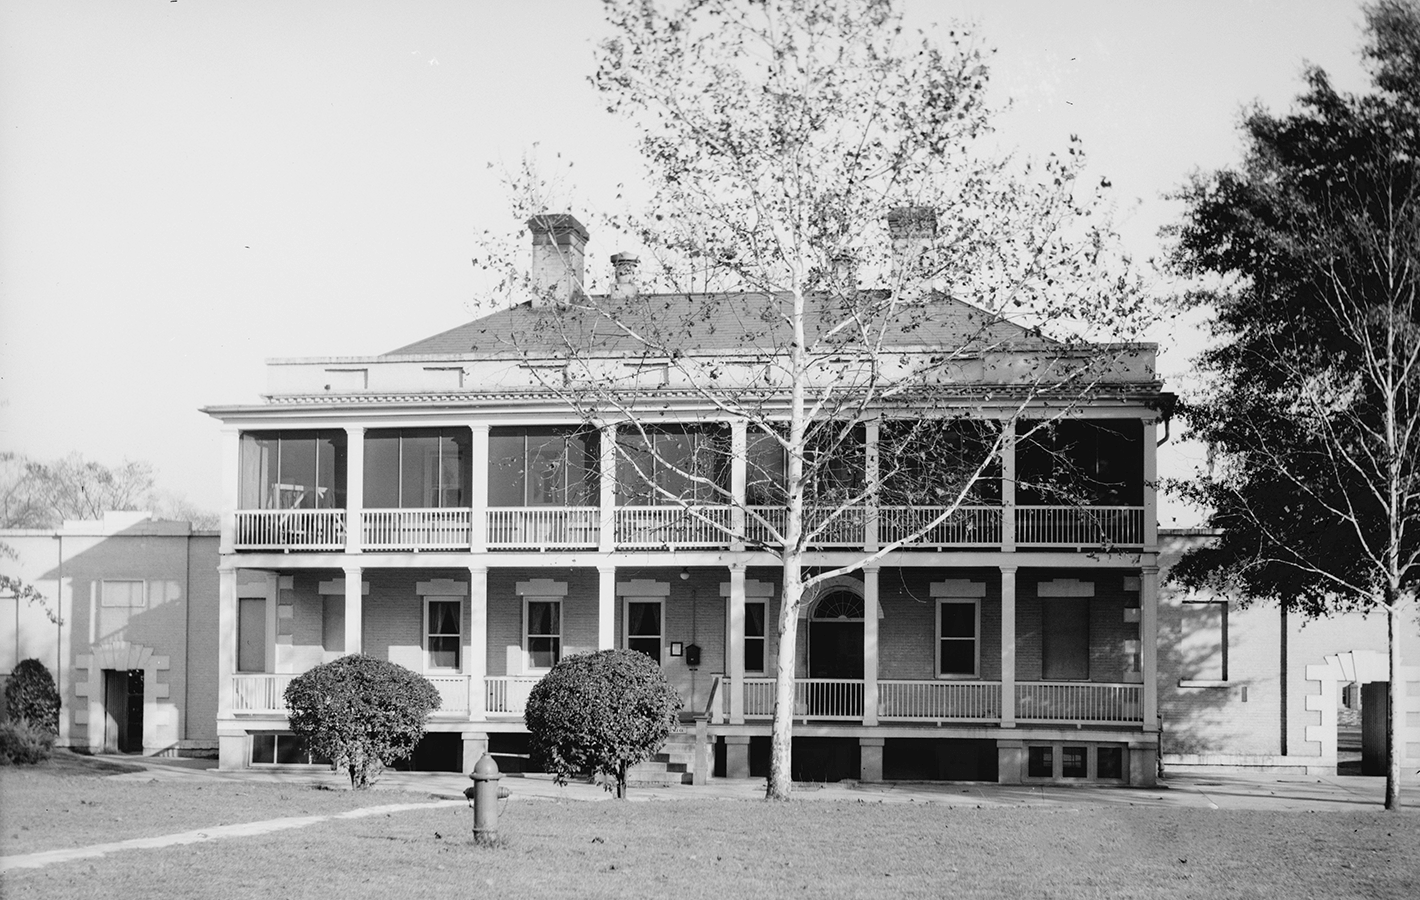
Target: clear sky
{"points": [[189, 188]]}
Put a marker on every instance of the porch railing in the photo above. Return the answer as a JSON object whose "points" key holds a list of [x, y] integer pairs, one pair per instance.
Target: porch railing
{"points": [[416, 529], [967, 526], [453, 692], [261, 693], [836, 527], [659, 526], [940, 701], [1076, 526], [290, 529], [508, 694], [535, 527], [1049, 701], [814, 698]]}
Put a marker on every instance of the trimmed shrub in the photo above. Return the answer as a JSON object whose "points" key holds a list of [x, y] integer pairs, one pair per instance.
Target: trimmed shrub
{"points": [[361, 713], [601, 713], [30, 696], [24, 743]]}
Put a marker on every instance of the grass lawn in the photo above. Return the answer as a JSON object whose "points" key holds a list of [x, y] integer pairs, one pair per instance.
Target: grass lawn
{"points": [[725, 849], [64, 803]]}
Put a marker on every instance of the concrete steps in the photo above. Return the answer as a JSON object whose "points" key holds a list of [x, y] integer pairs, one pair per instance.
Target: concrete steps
{"points": [[675, 764]]}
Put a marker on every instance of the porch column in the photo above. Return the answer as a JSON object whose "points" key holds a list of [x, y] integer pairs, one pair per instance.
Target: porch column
{"points": [[735, 613], [354, 606], [354, 488], [1149, 643], [231, 490], [1008, 646], [739, 453], [1151, 492], [606, 607], [872, 431], [1008, 486], [870, 649], [226, 638], [478, 513], [475, 652], [607, 482]]}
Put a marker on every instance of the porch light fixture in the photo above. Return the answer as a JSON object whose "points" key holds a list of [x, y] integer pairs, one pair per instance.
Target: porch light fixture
{"points": [[685, 573]]}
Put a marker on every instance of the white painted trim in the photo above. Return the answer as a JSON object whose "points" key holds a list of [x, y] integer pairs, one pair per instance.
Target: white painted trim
{"points": [[626, 636], [754, 590], [644, 587], [443, 587], [424, 634], [1065, 587], [958, 588], [541, 587], [528, 667], [336, 587]]}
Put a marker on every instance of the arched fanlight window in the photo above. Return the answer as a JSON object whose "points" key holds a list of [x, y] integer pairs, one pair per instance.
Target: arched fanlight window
{"points": [[839, 604]]}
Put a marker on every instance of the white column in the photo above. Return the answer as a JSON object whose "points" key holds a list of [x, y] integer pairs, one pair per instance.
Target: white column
{"points": [[354, 488], [231, 488], [476, 644], [226, 639], [1008, 487], [354, 606], [608, 491], [1149, 643], [606, 607], [870, 645], [872, 432], [739, 461], [1008, 646], [478, 500], [1151, 481], [735, 613]]}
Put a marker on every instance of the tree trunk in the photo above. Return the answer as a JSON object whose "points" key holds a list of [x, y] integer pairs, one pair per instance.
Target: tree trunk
{"points": [[782, 731], [1393, 720], [621, 781]]}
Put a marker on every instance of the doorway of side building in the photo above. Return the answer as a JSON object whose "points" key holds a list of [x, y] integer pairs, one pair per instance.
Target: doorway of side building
{"points": [[123, 710], [835, 650]]}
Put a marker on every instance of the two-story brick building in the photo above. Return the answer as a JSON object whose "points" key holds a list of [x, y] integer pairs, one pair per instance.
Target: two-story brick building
{"points": [[442, 507]]}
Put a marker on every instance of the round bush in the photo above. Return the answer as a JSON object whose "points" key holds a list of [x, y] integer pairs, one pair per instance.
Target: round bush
{"points": [[30, 695], [361, 713], [601, 713], [22, 743]]}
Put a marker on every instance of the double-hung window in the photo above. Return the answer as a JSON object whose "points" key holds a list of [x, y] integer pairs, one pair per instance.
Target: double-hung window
{"points": [[443, 620], [643, 627], [958, 638], [542, 637], [754, 636]]}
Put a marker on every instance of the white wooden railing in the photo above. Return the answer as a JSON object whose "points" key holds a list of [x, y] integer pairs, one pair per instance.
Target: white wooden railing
{"points": [[263, 693], [541, 527], [285, 529], [1076, 526], [814, 698], [416, 529], [967, 526], [453, 693], [940, 701], [674, 526], [536, 527], [508, 694], [1055, 701]]}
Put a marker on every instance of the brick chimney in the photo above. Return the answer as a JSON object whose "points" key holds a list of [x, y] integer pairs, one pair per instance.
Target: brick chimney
{"points": [[559, 244], [624, 265], [912, 230]]}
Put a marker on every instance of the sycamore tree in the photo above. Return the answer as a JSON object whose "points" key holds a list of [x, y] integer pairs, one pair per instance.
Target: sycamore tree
{"points": [[1312, 404], [833, 245]]}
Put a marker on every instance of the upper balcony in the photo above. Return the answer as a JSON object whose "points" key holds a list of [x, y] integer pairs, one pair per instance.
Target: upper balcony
{"points": [[1077, 485]]}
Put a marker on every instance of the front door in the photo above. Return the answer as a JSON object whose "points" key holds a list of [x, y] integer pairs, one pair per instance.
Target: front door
{"points": [[835, 652], [123, 710]]}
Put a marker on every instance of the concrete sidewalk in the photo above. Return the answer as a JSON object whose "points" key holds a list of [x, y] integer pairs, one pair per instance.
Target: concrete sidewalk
{"points": [[1222, 791]]}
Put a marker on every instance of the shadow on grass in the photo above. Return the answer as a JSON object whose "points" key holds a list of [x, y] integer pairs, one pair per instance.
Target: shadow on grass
{"points": [[67, 763]]}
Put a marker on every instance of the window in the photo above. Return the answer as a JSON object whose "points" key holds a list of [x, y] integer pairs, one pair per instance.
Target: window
{"points": [[1040, 762], [1074, 762], [129, 593], [958, 650], [424, 468], [928, 463], [1109, 762], [643, 627], [673, 464], [543, 636], [444, 636], [834, 462], [293, 470], [282, 749], [754, 636], [765, 470], [1095, 462], [543, 467], [1065, 624]]}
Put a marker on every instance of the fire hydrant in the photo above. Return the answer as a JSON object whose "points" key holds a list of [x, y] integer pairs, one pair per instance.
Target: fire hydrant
{"points": [[484, 797]]}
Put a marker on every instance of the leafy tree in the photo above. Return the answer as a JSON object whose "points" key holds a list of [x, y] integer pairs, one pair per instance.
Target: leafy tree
{"points": [[30, 696], [1312, 406], [601, 712], [794, 150], [361, 713], [23, 590], [36, 494]]}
